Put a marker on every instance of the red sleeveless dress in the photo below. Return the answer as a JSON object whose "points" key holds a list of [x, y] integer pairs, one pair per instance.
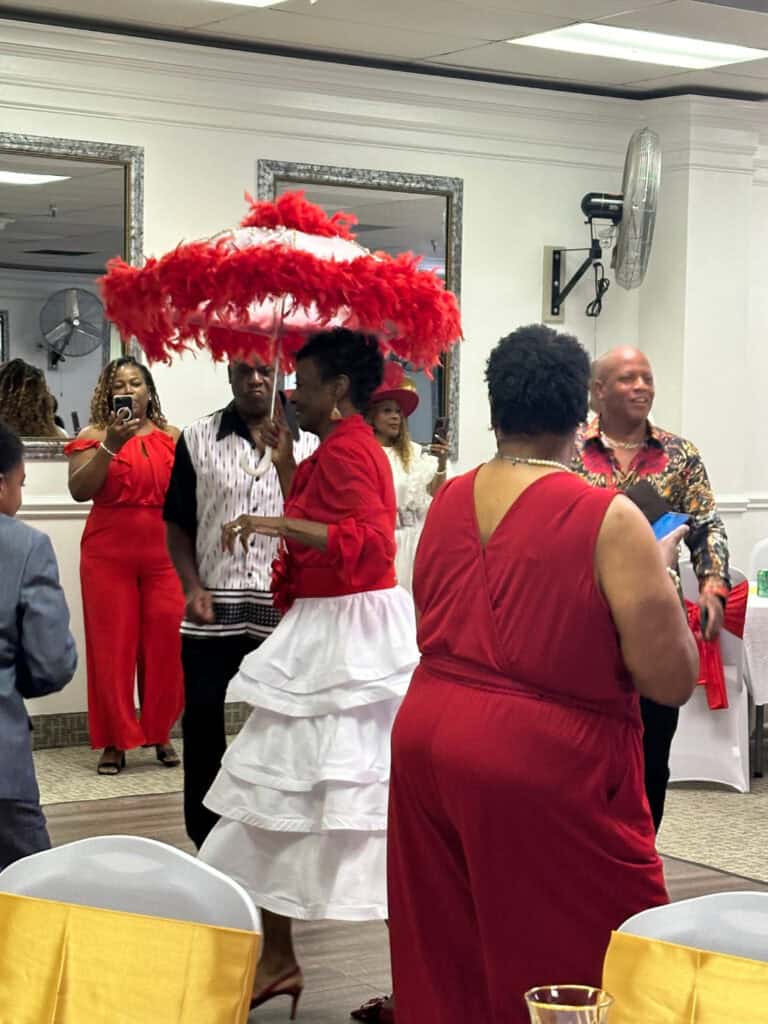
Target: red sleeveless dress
{"points": [[132, 599], [519, 832]]}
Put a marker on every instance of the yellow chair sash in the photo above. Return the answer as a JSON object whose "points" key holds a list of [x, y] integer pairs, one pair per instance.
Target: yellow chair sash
{"points": [[656, 982], [64, 964]]}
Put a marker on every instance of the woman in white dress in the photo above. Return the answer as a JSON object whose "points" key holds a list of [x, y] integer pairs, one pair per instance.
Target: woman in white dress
{"points": [[417, 474], [302, 791]]}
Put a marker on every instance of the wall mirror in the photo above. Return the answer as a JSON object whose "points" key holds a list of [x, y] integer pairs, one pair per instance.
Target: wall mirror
{"points": [[66, 207], [396, 213]]}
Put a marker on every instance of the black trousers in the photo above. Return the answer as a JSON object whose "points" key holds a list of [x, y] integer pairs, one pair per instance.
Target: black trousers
{"points": [[209, 664], [659, 725], [22, 830]]}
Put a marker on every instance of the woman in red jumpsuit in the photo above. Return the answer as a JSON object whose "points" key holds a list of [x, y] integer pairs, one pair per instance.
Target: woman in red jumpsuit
{"points": [[519, 832], [132, 598]]}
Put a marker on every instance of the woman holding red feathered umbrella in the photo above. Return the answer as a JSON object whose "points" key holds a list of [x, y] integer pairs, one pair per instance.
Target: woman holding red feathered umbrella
{"points": [[302, 791]]}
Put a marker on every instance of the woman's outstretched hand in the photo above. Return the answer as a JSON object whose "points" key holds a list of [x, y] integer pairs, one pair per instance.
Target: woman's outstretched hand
{"points": [[245, 526]]}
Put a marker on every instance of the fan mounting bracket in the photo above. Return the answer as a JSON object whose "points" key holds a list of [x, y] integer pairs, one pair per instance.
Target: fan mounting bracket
{"points": [[558, 291]]}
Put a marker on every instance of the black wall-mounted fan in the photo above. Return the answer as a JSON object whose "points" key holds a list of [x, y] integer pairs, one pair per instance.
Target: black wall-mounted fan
{"points": [[73, 324]]}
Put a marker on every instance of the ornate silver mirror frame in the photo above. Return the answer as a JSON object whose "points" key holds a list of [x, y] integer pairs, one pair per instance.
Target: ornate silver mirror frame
{"points": [[272, 172], [132, 160]]}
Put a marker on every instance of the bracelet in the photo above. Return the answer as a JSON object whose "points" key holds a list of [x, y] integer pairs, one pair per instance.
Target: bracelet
{"points": [[674, 577], [440, 472], [108, 450]]}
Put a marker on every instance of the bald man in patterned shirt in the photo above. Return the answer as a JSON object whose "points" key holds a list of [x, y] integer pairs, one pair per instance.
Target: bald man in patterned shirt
{"points": [[229, 608], [621, 447]]}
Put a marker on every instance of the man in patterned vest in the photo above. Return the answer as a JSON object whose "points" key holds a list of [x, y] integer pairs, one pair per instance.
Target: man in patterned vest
{"points": [[229, 605]]}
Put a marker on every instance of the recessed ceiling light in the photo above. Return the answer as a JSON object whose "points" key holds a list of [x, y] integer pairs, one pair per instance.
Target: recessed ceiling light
{"points": [[643, 47], [17, 178], [249, 3]]}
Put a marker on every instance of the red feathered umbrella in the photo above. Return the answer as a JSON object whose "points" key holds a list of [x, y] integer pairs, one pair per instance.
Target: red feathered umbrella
{"points": [[287, 271], [258, 291]]}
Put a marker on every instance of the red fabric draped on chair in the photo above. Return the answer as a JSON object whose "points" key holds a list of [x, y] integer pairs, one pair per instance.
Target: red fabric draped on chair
{"points": [[711, 672]]}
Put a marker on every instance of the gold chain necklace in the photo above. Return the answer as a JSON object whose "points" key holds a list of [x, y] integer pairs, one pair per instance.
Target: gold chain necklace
{"points": [[625, 446], [518, 460]]}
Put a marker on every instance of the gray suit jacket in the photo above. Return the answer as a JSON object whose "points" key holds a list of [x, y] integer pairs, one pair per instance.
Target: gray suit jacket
{"points": [[37, 650]]}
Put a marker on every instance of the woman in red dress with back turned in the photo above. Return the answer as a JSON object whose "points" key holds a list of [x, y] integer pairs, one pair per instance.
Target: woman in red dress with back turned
{"points": [[132, 599], [519, 833]]}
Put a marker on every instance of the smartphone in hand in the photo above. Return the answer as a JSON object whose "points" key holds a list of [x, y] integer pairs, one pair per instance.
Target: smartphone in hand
{"points": [[668, 522], [122, 405], [440, 433]]}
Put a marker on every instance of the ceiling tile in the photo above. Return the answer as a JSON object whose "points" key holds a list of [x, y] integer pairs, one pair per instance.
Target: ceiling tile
{"points": [[341, 37], [700, 21], [153, 13], [453, 17], [573, 10], [538, 63], [704, 80]]}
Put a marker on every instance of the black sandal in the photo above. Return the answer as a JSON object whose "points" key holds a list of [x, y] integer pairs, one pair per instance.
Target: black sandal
{"points": [[166, 755], [111, 762]]}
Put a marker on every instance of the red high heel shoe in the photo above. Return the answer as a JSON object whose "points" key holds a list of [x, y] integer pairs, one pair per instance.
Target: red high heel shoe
{"points": [[289, 984]]}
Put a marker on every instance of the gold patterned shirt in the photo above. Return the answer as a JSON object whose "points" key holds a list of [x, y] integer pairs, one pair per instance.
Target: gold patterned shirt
{"points": [[675, 469]]}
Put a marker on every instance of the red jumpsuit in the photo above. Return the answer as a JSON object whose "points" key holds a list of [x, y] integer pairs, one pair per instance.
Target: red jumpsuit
{"points": [[519, 831], [132, 599]]}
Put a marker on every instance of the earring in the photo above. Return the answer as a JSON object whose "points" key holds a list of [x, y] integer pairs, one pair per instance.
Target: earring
{"points": [[335, 413]]}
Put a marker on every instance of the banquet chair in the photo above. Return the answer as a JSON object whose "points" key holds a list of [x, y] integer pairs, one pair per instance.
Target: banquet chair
{"points": [[735, 923], [703, 959], [124, 928], [713, 746], [133, 874]]}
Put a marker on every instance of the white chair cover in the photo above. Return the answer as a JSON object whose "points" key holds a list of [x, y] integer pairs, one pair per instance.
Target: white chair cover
{"points": [[133, 874], [713, 746], [735, 923]]}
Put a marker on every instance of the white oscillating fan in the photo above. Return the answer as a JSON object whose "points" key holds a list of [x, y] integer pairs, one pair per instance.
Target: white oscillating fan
{"points": [[633, 214]]}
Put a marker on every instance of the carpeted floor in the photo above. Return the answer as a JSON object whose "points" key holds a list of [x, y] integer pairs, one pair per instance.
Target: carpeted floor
{"points": [[712, 825], [67, 774], [705, 824]]}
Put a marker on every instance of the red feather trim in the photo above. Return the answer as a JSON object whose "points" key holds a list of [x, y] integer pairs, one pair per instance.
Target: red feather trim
{"points": [[292, 210], [393, 375], [200, 294]]}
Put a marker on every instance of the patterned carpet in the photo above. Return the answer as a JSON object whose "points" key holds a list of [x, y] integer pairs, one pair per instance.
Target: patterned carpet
{"points": [[711, 825], [705, 824], [67, 774]]}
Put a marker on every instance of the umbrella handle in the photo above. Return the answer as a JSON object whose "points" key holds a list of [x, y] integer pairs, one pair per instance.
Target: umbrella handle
{"points": [[263, 465], [266, 459]]}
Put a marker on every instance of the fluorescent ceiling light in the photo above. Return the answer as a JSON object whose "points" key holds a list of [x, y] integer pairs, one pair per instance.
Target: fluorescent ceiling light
{"points": [[643, 47], [249, 3], [17, 178]]}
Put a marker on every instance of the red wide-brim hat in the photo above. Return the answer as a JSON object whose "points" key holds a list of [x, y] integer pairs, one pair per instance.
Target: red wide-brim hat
{"points": [[396, 387]]}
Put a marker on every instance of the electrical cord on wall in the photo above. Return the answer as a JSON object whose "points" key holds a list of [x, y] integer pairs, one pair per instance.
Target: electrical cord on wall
{"points": [[602, 284]]}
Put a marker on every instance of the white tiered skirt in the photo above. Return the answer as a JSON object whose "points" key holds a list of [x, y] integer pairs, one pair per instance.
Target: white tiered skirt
{"points": [[302, 791]]}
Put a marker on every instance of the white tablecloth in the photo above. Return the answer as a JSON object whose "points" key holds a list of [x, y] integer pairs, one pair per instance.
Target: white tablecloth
{"points": [[756, 646]]}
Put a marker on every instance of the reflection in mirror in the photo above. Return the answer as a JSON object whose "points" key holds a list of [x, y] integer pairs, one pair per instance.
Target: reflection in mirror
{"points": [[396, 213], [66, 208]]}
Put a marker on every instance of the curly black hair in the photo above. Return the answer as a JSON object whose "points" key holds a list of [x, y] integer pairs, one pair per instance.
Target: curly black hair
{"points": [[538, 382], [343, 352], [11, 449]]}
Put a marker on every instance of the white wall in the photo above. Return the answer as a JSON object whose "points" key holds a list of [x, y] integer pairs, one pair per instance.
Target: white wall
{"points": [[23, 294], [204, 117]]}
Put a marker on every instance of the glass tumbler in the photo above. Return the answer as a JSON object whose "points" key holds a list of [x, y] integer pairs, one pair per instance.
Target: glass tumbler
{"points": [[568, 1004]]}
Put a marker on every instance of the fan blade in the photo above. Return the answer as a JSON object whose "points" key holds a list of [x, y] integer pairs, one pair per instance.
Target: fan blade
{"points": [[88, 332], [73, 306], [84, 343], [91, 328], [62, 331]]}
